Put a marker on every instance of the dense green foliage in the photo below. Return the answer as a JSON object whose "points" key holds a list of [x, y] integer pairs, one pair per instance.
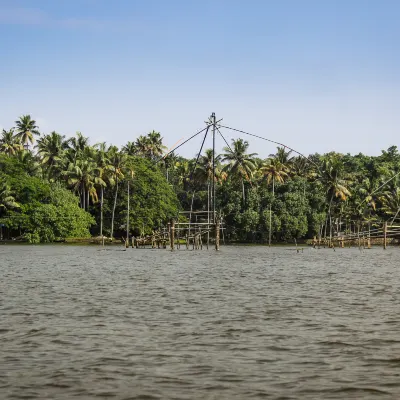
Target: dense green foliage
{"points": [[52, 187]]}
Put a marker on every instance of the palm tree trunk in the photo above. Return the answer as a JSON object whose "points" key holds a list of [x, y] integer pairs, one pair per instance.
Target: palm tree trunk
{"points": [[113, 210], [101, 215], [243, 193], [88, 201], [84, 198], [329, 213]]}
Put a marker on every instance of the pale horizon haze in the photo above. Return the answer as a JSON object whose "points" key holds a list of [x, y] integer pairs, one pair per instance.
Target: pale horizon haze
{"points": [[318, 76]]}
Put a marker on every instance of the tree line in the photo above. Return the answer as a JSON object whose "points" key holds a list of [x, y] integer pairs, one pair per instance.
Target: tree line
{"points": [[52, 187]]}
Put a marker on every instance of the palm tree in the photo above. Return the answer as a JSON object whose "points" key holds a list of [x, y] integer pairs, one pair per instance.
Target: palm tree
{"points": [[333, 178], [241, 165], [284, 157], [118, 161], [369, 190], [391, 202], [26, 130], [82, 177], [204, 171], [130, 148], [30, 163], [169, 162], [182, 169], [51, 150], [105, 173], [9, 143], [142, 145], [77, 145], [274, 171], [7, 202], [155, 144]]}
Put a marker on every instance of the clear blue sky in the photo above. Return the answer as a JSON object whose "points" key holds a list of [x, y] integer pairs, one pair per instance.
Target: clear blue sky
{"points": [[317, 75]]}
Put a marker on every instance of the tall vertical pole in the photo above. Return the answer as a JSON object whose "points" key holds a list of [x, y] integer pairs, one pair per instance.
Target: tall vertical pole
{"points": [[127, 220], [385, 235], [213, 161], [217, 232], [172, 234]]}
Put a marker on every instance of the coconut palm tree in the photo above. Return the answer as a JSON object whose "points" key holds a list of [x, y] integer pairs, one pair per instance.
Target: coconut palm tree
{"points": [[76, 146], [333, 178], [26, 130], [142, 145], [118, 161], [82, 178], [205, 172], [169, 162], [284, 157], [7, 202], [105, 173], [51, 150], [9, 143], [274, 171], [30, 163], [130, 149], [155, 145], [241, 165]]}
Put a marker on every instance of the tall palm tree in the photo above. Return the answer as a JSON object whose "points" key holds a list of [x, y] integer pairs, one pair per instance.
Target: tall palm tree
{"points": [[142, 145], [77, 146], [9, 143], [82, 177], [274, 171], [204, 171], [333, 177], [26, 130], [7, 202], [169, 162], [30, 163], [118, 161], [284, 157], [51, 150], [155, 144], [105, 173], [241, 165], [130, 148], [182, 170]]}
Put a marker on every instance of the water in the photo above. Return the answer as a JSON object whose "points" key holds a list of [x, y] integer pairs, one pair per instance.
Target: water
{"points": [[244, 323]]}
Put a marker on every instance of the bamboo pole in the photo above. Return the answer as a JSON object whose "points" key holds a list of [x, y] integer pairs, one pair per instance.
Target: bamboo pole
{"points": [[385, 235], [217, 226], [172, 234]]}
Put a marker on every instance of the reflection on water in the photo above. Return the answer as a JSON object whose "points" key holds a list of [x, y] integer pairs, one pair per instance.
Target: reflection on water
{"points": [[244, 323]]}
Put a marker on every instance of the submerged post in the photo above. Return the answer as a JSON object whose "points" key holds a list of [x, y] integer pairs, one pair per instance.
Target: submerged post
{"points": [[385, 235], [217, 227], [172, 234]]}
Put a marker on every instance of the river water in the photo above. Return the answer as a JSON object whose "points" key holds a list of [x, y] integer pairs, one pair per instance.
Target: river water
{"points": [[243, 323]]}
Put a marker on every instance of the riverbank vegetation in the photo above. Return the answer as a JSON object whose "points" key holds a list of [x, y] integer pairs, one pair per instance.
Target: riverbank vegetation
{"points": [[53, 187]]}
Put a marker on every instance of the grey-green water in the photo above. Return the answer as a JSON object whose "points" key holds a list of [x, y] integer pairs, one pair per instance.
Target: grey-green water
{"points": [[244, 323]]}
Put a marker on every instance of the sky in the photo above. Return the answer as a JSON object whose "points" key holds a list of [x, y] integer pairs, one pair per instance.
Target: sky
{"points": [[315, 75]]}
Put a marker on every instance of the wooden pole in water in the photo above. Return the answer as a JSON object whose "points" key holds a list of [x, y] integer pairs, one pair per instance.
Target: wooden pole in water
{"points": [[217, 234], [172, 234], [369, 234], [385, 235]]}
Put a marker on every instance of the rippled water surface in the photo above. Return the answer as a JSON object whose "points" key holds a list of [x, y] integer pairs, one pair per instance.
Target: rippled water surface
{"points": [[244, 323]]}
